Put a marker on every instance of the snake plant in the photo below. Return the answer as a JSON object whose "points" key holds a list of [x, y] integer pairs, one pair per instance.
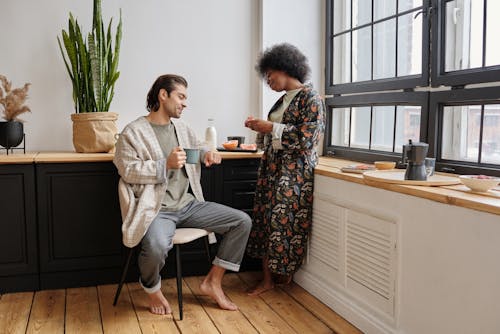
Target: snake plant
{"points": [[92, 63]]}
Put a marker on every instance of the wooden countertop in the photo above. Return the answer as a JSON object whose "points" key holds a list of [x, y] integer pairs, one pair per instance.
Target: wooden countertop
{"points": [[68, 157], [454, 195], [17, 158]]}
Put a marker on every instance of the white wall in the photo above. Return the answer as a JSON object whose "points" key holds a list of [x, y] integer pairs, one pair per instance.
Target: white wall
{"points": [[214, 44], [301, 23]]}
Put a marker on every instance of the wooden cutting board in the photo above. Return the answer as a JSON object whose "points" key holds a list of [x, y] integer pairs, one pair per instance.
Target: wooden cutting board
{"points": [[397, 176]]}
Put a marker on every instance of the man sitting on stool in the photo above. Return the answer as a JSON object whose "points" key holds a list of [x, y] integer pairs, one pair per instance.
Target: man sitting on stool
{"points": [[159, 192]]}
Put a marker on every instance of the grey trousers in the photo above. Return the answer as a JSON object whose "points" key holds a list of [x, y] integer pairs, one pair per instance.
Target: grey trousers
{"points": [[233, 224]]}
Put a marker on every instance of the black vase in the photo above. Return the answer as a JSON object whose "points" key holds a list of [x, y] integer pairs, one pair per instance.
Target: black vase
{"points": [[11, 134]]}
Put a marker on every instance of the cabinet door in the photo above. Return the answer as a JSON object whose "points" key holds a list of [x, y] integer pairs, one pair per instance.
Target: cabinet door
{"points": [[18, 256], [79, 224], [240, 195]]}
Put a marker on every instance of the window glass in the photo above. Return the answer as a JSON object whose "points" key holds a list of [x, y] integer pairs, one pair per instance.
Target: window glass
{"points": [[361, 12], [342, 58], [404, 5], [341, 15], [384, 49], [463, 35], [360, 127], [461, 129], [407, 126], [382, 128], [361, 54], [490, 152], [492, 32], [383, 8], [409, 44], [340, 126]]}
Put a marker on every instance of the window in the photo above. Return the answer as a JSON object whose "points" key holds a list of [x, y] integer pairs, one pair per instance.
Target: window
{"points": [[380, 75]]}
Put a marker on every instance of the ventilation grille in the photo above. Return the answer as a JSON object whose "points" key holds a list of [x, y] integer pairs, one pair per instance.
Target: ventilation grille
{"points": [[325, 233], [369, 257]]}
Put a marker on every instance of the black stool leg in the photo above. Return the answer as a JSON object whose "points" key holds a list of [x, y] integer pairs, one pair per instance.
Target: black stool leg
{"points": [[179, 278], [124, 275], [207, 249]]}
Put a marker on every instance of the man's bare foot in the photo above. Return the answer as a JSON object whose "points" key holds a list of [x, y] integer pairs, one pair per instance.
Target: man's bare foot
{"points": [[158, 304], [262, 287], [215, 292]]}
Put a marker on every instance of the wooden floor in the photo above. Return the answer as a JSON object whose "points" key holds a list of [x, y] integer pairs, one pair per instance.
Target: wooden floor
{"points": [[89, 310]]}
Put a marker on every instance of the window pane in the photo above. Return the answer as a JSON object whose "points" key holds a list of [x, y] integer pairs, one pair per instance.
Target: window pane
{"points": [[361, 12], [340, 126], [407, 126], [461, 128], [384, 49], [361, 54], [360, 127], [464, 35], [408, 4], [342, 59], [492, 30], [341, 15], [382, 128], [409, 45], [490, 152], [383, 8]]}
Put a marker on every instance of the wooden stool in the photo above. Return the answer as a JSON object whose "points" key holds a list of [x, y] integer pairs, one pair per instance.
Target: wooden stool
{"points": [[182, 236]]}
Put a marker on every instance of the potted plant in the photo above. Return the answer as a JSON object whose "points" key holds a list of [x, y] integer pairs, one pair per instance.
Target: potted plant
{"points": [[12, 102], [92, 65]]}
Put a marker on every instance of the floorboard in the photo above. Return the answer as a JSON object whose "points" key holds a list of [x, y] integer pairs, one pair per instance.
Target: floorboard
{"points": [[285, 309], [47, 312], [14, 312], [82, 311]]}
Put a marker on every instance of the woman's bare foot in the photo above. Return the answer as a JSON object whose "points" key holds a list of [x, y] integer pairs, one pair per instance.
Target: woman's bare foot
{"points": [[281, 280], [158, 304], [261, 287], [215, 292]]}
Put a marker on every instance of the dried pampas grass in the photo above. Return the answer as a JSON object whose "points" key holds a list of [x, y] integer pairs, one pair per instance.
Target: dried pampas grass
{"points": [[12, 100]]}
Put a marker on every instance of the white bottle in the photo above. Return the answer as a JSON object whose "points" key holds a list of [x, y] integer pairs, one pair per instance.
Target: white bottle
{"points": [[211, 135]]}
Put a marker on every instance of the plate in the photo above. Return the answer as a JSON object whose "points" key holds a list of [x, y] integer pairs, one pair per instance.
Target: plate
{"points": [[398, 177], [239, 150]]}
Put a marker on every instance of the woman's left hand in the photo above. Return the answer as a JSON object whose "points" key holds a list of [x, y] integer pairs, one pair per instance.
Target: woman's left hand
{"points": [[259, 125]]}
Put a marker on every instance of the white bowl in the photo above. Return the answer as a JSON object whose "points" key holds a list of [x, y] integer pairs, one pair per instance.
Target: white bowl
{"points": [[481, 183]]}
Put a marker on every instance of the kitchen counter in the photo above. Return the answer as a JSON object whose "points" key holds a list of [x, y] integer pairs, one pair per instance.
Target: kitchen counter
{"points": [[16, 158], [453, 195], [68, 157]]}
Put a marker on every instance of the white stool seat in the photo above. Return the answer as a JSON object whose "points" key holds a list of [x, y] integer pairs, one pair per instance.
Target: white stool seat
{"points": [[185, 235]]}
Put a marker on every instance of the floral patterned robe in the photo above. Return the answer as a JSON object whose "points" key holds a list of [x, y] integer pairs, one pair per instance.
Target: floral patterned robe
{"points": [[282, 213]]}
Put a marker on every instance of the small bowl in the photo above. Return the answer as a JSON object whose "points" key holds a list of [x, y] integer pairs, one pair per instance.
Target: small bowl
{"points": [[480, 183], [230, 145], [383, 165]]}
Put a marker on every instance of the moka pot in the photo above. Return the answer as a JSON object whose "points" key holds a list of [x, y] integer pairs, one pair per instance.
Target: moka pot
{"points": [[414, 154]]}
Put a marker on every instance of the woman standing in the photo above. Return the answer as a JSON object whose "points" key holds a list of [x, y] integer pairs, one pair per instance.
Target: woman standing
{"points": [[282, 213]]}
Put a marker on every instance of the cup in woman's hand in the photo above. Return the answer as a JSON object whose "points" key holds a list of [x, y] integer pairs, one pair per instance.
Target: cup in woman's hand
{"points": [[192, 155]]}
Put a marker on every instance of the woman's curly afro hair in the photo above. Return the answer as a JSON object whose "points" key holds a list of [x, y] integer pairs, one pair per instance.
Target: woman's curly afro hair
{"points": [[284, 57]]}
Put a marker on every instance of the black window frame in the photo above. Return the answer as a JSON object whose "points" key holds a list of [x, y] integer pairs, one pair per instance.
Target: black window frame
{"points": [[437, 101], [400, 90], [368, 100], [439, 77], [404, 82]]}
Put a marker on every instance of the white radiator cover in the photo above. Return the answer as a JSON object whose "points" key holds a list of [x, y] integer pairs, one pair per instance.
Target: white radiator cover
{"points": [[394, 263]]}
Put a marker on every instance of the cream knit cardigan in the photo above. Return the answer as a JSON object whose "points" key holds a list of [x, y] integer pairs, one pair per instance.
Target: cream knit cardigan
{"points": [[142, 168]]}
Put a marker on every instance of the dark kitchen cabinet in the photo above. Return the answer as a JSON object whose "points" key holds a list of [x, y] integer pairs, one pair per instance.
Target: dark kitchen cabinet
{"points": [[18, 238], [79, 224], [60, 223]]}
